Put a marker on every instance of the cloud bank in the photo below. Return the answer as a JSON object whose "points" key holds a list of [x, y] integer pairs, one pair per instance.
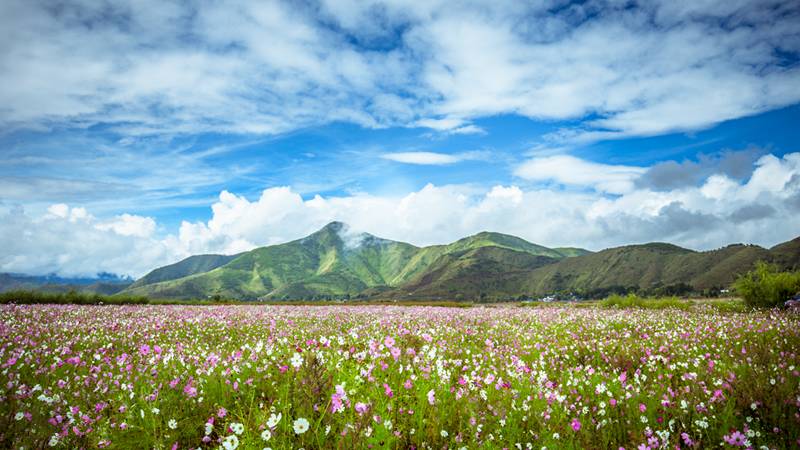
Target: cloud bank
{"points": [[152, 67], [763, 208]]}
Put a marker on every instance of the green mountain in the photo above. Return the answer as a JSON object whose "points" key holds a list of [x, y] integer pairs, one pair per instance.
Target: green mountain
{"points": [[646, 267], [189, 266], [336, 262]]}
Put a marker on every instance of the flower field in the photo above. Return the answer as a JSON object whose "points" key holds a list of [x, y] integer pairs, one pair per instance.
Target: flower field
{"points": [[278, 377]]}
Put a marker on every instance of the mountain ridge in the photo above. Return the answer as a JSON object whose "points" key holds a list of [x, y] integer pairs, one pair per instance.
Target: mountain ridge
{"points": [[338, 262]]}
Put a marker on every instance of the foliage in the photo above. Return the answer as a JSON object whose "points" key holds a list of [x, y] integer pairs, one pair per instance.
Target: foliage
{"points": [[72, 297], [765, 286], [634, 301]]}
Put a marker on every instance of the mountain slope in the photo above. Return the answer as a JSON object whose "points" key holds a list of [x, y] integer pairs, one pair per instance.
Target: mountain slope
{"points": [[335, 261], [332, 261], [473, 273], [189, 266], [645, 267]]}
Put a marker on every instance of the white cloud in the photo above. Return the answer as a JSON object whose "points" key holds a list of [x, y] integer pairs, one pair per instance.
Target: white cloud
{"points": [[569, 170], [763, 209], [272, 67], [432, 158]]}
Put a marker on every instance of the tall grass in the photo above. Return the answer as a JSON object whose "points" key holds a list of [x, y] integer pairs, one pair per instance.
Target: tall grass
{"points": [[634, 301]]}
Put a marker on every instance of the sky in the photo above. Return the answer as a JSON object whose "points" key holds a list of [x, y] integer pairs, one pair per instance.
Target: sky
{"points": [[134, 134]]}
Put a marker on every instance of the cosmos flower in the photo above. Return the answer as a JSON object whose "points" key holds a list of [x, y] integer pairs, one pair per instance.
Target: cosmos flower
{"points": [[230, 442], [273, 420], [300, 425]]}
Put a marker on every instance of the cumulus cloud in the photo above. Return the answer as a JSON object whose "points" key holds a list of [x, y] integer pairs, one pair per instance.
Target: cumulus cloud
{"points": [[669, 175], [569, 170], [761, 208], [268, 67], [71, 242], [432, 158]]}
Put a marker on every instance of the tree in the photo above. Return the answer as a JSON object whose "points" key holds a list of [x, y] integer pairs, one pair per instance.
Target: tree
{"points": [[765, 286]]}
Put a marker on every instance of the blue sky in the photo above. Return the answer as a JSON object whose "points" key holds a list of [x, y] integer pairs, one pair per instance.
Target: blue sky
{"points": [[132, 135]]}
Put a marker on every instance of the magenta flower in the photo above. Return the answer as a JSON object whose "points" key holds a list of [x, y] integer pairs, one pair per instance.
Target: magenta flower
{"points": [[576, 424]]}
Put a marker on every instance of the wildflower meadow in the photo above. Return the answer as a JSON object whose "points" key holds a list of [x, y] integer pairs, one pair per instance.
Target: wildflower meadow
{"points": [[281, 377]]}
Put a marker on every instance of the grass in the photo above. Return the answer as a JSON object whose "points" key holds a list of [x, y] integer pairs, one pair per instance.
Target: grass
{"points": [[684, 304]]}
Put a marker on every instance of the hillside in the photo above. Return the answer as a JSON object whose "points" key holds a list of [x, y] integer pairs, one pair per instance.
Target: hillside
{"points": [[336, 262], [189, 266], [644, 267]]}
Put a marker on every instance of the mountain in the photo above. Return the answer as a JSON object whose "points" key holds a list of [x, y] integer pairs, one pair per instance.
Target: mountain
{"points": [[646, 267], [189, 266], [103, 283], [336, 262]]}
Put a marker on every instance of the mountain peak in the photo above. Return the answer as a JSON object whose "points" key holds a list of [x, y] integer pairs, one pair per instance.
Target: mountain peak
{"points": [[335, 226]]}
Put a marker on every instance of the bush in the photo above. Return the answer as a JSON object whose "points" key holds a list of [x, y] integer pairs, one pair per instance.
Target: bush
{"points": [[765, 286], [634, 301]]}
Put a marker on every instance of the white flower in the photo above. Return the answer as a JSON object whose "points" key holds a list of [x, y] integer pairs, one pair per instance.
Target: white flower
{"points": [[556, 436], [172, 424], [273, 420], [444, 433], [209, 428], [300, 426], [53, 440], [266, 435], [155, 411], [19, 416], [237, 428], [231, 442], [297, 360]]}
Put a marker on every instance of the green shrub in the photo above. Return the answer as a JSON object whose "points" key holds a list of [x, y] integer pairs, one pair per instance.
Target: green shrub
{"points": [[765, 286], [634, 301]]}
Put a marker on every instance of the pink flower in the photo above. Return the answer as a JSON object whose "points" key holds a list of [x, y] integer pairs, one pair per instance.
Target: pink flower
{"points": [[642, 407], [387, 390], [408, 384], [389, 341], [737, 439], [431, 397], [361, 408], [222, 412], [576, 424]]}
